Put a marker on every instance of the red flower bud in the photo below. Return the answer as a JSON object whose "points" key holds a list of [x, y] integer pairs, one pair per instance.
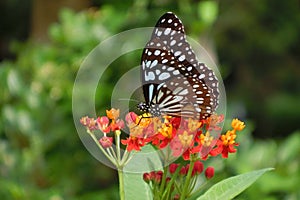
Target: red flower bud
{"points": [[173, 167], [209, 172], [147, 177], [158, 176], [198, 168], [176, 197], [106, 141], [183, 170]]}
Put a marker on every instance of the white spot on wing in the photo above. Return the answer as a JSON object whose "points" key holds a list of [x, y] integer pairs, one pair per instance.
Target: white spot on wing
{"points": [[167, 31], [202, 76], [164, 76], [157, 52], [153, 64], [164, 61], [177, 53], [173, 42], [181, 58], [149, 76], [176, 72]]}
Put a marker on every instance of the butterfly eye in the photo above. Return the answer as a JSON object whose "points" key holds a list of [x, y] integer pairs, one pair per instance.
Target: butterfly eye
{"points": [[174, 82]]}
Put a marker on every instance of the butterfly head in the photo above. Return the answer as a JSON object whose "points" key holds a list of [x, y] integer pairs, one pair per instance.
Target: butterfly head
{"points": [[143, 107]]}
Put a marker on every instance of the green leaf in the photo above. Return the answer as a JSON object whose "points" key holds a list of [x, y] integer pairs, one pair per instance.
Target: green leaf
{"points": [[135, 187], [231, 187]]}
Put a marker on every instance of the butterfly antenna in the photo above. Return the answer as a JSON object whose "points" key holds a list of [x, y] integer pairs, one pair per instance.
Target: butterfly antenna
{"points": [[129, 100]]}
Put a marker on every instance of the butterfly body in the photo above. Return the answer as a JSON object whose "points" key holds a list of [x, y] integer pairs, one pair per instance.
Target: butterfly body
{"points": [[174, 82]]}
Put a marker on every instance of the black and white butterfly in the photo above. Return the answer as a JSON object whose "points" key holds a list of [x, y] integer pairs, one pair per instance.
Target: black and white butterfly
{"points": [[174, 82]]}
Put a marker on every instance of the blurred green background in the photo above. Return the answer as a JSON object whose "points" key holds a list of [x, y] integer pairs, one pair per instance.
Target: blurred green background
{"points": [[43, 42]]}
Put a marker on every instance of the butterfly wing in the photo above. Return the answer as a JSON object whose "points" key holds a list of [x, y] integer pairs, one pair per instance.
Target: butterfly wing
{"points": [[172, 83], [170, 30], [171, 75]]}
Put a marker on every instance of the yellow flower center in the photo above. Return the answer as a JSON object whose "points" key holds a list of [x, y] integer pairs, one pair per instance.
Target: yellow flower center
{"points": [[206, 139], [166, 130], [193, 125]]}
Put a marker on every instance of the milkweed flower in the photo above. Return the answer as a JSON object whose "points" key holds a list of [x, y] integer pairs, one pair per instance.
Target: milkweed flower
{"points": [[193, 140], [103, 124], [226, 142]]}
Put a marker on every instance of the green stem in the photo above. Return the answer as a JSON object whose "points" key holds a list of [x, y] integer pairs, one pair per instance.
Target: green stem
{"points": [[162, 185], [187, 181], [117, 138], [121, 184], [172, 181], [101, 148]]}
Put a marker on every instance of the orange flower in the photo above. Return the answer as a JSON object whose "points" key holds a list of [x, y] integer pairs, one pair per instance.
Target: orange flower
{"points": [[237, 124], [113, 113], [229, 137]]}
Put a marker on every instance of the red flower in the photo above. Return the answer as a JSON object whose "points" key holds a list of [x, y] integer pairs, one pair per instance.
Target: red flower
{"points": [[134, 143], [117, 125], [223, 149], [175, 121]]}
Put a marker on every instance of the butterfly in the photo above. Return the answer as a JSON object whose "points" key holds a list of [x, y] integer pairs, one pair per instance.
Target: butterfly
{"points": [[174, 82]]}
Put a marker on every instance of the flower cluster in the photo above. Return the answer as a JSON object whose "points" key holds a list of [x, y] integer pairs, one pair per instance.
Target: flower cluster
{"points": [[194, 140], [184, 136], [105, 124]]}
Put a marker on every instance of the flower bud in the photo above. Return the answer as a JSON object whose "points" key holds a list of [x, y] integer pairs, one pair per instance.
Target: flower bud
{"points": [[147, 177], [209, 172], [173, 167], [183, 170], [106, 141], [198, 168], [158, 176]]}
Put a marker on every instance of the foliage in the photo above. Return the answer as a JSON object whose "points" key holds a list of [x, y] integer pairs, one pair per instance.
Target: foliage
{"points": [[41, 156]]}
